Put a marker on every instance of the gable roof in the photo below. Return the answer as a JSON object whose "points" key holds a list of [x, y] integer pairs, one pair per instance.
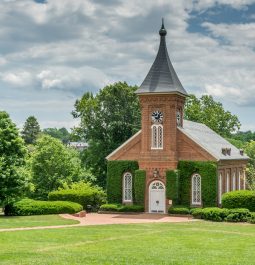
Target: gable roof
{"points": [[162, 77], [210, 141]]}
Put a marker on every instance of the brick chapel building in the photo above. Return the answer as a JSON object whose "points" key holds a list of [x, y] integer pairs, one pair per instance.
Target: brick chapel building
{"points": [[166, 141]]}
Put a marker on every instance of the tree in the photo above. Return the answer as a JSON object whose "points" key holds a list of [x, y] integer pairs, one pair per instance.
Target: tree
{"points": [[211, 113], [30, 130], [250, 170], [107, 120], [61, 134], [12, 153], [53, 165]]}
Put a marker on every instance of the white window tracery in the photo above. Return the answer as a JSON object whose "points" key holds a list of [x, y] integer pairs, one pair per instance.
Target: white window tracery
{"points": [[196, 189], [127, 187], [157, 136]]}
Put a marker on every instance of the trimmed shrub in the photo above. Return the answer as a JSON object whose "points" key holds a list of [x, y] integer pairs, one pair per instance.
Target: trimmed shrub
{"points": [[115, 171], [139, 186], [32, 207], [215, 214], [110, 207], [238, 215], [172, 185], [251, 219], [121, 208], [197, 213], [82, 193], [208, 173], [131, 208], [179, 210], [239, 199]]}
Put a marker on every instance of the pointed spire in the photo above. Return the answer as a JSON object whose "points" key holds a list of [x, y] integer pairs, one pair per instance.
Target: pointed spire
{"points": [[162, 77], [162, 31]]}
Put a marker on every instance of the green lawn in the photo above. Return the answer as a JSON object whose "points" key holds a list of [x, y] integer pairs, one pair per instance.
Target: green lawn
{"points": [[35, 220], [181, 243]]}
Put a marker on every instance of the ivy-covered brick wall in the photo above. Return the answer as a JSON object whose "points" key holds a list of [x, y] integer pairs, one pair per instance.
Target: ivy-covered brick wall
{"points": [[172, 186], [115, 171], [139, 186], [208, 173]]}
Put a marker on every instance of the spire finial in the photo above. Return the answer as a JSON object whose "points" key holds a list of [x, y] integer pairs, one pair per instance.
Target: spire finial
{"points": [[162, 31]]}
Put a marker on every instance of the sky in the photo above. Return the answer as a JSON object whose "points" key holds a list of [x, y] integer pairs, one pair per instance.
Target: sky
{"points": [[52, 51]]}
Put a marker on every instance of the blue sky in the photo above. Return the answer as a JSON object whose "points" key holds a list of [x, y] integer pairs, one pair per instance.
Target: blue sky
{"points": [[51, 52]]}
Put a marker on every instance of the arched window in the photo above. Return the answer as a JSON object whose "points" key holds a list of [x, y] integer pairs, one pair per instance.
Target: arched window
{"points": [[127, 187], [156, 136], [196, 189]]}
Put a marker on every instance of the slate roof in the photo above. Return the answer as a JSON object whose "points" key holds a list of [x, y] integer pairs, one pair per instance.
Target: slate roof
{"points": [[210, 141], [162, 77]]}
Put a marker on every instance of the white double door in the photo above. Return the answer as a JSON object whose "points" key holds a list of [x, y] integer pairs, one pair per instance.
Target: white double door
{"points": [[157, 201]]}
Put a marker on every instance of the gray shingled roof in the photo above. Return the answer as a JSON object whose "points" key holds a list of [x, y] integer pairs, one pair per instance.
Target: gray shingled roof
{"points": [[210, 141], [162, 77]]}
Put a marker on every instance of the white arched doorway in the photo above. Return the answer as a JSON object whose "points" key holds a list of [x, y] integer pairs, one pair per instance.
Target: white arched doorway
{"points": [[157, 197]]}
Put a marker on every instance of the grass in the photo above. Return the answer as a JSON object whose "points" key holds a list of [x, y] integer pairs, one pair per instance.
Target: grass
{"points": [[166, 243], [31, 221]]}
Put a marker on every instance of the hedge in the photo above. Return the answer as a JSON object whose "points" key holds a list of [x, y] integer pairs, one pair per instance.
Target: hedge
{"points": [[239, 199], [121, 208], [91, 197], [139, 186], [179, 210], [208, 173], [223, 214], [115, 171], [172, 185], [32, 207]]}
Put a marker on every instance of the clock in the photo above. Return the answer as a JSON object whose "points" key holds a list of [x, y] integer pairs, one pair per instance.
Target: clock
{"points": [[178, 117], [157, 116]]}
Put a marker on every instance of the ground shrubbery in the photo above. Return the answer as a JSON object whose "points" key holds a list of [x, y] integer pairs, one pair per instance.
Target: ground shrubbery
{"points": [[121, 208], [82, 193], [239, 199], [223, 214], [32, 207], [179, 209]]}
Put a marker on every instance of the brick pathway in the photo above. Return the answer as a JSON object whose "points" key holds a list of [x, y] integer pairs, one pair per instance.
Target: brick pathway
{"points": [[104, 219]]}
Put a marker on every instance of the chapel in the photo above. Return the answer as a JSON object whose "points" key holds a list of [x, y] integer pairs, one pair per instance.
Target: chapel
{"points": [[170, 160]]}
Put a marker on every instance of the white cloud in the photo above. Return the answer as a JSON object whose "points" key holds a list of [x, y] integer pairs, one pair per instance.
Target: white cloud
{"points": [[64, 48]]}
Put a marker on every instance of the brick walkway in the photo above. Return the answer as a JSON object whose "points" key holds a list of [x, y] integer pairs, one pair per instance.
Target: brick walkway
{"points": [[106, 219]]}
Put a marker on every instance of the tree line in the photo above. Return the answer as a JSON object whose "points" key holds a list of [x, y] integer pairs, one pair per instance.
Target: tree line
{"points": [[37, 161]]}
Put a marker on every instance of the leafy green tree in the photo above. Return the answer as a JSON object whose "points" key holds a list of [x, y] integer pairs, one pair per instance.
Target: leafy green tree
{"points": [[61, 134], [54, 165], [211, 113], [12, 153], [107, 120], [30, 130], [244, 136], [250, 171]]}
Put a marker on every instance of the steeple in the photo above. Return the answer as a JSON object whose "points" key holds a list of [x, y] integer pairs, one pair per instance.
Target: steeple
{"points": [[162, 77]]}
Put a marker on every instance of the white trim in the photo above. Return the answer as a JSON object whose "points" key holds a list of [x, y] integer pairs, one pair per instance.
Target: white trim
{"points": [[155, 145], [220, 187], [239, 180], [244, 180], [227, 182], [234, 181], [193, 189], [127, 188], [150, 195], [121, 146]]}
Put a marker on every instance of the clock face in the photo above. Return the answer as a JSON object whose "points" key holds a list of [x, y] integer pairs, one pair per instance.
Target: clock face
{"points": [[178, 117], [157, 116]]}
